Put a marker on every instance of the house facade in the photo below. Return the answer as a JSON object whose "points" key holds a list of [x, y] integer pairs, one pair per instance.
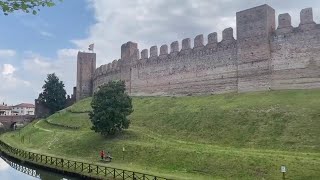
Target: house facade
{"points": [[5, 110], [23, 109]]}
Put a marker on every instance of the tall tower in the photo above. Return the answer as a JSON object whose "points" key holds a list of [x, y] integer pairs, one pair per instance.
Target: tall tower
{"points": [[254, 29], [86, 65], [129, 53]]}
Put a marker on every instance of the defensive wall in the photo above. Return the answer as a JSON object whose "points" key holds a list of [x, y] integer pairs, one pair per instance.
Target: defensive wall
{"points": [[263, 57], [42, 111], [9, 121]]}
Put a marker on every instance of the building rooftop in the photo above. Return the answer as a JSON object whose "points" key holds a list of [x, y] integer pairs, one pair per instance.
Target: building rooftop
{"points": [[2, 107], [26, 105]]}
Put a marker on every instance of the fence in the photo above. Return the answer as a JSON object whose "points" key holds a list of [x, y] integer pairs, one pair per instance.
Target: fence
{"points": [[77, 167], [23, 169]]}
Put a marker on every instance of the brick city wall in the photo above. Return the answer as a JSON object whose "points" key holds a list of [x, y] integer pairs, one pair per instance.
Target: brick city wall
{"points": [[262, 58]]}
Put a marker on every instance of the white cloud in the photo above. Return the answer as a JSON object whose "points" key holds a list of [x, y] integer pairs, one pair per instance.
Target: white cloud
{"points": [[9, 78], [67, 53], [46, 34], [64, 65], [157, 22], [7, 53], [8, 69]]}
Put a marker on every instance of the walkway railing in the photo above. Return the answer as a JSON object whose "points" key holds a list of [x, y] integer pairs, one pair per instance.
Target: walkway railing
{"points": [[76, 166], [23, 169]]}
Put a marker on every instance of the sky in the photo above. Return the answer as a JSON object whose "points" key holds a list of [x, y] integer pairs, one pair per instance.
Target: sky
{"points": [[32, 46]]}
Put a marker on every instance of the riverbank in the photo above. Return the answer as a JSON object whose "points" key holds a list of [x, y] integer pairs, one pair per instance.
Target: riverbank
{"points": [[77, 169], [231, 136], [13, 168]]}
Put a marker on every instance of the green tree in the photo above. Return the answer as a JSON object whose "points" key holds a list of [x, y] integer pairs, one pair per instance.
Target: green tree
{"points": [[111, 105], [8, 6], [54, 94]]}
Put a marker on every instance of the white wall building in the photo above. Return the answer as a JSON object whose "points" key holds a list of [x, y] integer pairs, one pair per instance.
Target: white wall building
{"points": [[5, 110], [23, 109]]}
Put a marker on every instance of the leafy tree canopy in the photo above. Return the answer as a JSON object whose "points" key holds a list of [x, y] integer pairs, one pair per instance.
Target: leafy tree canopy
{"points": [[54, 94], [28, 6], [111, 106]]}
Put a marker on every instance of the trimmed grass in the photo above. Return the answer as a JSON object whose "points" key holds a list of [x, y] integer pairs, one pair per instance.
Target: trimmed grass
{"points": [[230, 136]]}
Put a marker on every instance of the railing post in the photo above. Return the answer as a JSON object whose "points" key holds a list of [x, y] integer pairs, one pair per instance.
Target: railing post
{"points": [[68, 164], [144, 176], [89, 168], [114, 173], [123, 174], [97, 169], [105, 171], [81, 167], [133, 176]]}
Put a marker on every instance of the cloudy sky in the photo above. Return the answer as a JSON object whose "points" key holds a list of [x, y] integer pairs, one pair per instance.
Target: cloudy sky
{"points": [[33, 46]]}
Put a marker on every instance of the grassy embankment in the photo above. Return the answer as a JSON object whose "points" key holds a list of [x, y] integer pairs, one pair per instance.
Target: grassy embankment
{"points": [[231, 136]]}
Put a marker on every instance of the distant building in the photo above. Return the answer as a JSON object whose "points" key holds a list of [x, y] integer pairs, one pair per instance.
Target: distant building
{"points": [[5, 110], [23, 109]]}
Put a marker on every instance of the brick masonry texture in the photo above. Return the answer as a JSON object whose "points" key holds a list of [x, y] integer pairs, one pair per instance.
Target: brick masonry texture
{"points": [[262, 58]]}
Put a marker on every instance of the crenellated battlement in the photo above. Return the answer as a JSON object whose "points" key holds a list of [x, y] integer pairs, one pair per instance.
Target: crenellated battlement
{"points": [[107, 69], [198, 48], [306, 23], [264, 56]]}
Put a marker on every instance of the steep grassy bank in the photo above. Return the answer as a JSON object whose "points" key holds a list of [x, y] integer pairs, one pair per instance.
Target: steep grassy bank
{"points": [[232, 136]]}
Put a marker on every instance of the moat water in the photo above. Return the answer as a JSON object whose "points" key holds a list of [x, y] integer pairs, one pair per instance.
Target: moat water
{"points": [[14, 170]]}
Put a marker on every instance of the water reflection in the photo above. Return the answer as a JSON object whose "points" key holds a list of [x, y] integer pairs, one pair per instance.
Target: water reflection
{"points": [[12, 170]]}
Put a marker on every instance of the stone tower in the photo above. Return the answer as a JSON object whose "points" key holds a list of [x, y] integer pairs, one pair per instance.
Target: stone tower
{"points": [[129, 54], [86, 65], [254, 29]]}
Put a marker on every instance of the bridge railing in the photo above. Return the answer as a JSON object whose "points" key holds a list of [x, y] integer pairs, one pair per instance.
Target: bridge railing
{"points": [[87, 169]]}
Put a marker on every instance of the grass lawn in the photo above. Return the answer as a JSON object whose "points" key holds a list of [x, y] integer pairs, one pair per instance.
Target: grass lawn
{"points": [[230, 136]]}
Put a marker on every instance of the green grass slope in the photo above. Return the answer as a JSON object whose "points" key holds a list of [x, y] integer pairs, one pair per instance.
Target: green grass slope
{"points": [[230, 136]]}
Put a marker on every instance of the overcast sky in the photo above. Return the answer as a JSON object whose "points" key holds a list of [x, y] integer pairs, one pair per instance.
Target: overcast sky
{"points": [[33, 46]]}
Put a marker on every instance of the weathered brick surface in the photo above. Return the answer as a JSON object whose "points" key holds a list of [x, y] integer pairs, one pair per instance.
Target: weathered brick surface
{"points": [[86, 65], [8, 121], [262, 58]]}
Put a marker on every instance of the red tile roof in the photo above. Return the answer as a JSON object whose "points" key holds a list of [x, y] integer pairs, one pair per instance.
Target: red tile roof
{"points": [[26, 105]]}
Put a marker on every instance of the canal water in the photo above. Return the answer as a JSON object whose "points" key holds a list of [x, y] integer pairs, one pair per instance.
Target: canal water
{"points": [[14, 170]]}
